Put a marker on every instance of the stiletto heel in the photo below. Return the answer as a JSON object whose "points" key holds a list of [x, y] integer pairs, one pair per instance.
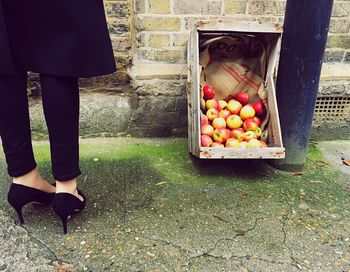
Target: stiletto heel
{"points": [[20, 195], [20, 215], [64, 223], [65, 204]]}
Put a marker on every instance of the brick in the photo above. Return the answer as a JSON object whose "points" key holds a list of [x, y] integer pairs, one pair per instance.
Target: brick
{"points": [[339, 26], [159, 40], [345, 6], [191, 7], [118, 9], [121, 44], [170, 56], [333, 56], [267, 7], [140, 6], [159, 6], [163, 71], [123, 59], [158, 23], [339, 10], [141, 40], [180, 39], [235, 7], [190, 21], [338, 41], [215, 7], [118, 27]]}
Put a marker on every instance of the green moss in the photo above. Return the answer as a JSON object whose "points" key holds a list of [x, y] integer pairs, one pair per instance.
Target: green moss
{"points": [[243, 185]]}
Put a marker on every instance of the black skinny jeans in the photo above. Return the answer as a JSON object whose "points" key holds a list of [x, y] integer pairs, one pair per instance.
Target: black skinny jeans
{"points": [[60, 98]]}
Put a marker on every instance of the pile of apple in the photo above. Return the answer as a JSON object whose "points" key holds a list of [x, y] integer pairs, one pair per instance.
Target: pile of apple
{"points": [[231, 122]]}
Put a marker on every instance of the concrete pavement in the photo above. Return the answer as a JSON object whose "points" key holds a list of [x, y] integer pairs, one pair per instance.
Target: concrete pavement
{"points": [[153, 207]]}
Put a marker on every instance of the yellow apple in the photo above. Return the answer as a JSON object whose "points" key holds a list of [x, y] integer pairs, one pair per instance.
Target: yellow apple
{"points": [[234, 121], [247, 112], [219, 123]]}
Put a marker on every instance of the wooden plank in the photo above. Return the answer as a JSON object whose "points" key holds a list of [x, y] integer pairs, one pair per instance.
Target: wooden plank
{"points": [[274, 115], [239, 26], [196, 93], [189, 97], [242, 153], [273, 55]]}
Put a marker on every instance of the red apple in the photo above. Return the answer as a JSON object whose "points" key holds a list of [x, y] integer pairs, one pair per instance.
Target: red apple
{"points": [[242, 97], [234, 121], [222, 104], [247, 112], [208, 92], [257, 120], [237, 133], [248, 135], [220, 135], [234, 106], [263, 144], [249, 124], [212, 103], [259, 108], [254, 143], [206, 141], [232, 142], [216, 144], [229, 97], [224, 114], [204, 120], [212, 114], [219, 123], [207, 130]]}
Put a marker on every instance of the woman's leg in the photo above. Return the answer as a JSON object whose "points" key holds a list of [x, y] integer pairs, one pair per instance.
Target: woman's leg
{"points": [[61, 108], [16, 134]]}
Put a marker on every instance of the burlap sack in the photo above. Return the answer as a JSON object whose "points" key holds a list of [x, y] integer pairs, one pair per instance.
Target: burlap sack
{"points": [[232, 64]]}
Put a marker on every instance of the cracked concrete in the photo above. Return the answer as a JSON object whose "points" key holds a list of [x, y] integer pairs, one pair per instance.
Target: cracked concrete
{"points": [[152, 207]]}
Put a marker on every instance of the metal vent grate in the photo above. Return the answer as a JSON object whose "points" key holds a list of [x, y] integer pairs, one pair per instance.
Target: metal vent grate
{"points": [[332, 109]]}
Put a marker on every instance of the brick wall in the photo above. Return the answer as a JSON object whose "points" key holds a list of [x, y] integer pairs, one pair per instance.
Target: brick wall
{"points": [[162, 30], [163, 25], [147, 95]]}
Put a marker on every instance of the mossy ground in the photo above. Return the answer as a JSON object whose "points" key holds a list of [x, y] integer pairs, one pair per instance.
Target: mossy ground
{"points": [[154, 207]]}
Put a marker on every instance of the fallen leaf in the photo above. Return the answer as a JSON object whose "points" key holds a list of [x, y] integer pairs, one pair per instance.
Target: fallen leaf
{"points": [[220, 218], [240, 232], [65, 267], [161, 183], [244, 197], [315, 181], [320, 163], [346, 162]]}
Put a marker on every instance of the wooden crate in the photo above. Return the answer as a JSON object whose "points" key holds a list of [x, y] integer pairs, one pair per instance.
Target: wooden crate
{"points": [[275, 150]]}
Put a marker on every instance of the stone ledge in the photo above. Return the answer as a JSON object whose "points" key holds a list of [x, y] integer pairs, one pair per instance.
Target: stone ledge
{"points": [[147, 71]]}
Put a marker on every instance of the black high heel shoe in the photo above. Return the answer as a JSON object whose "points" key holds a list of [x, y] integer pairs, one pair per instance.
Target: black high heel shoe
{"points": [[65, 205], [20, 195]]}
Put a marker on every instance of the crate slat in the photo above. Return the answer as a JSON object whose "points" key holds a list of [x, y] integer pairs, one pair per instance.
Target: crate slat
{"points": [[242, 153], [239, 26]]}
